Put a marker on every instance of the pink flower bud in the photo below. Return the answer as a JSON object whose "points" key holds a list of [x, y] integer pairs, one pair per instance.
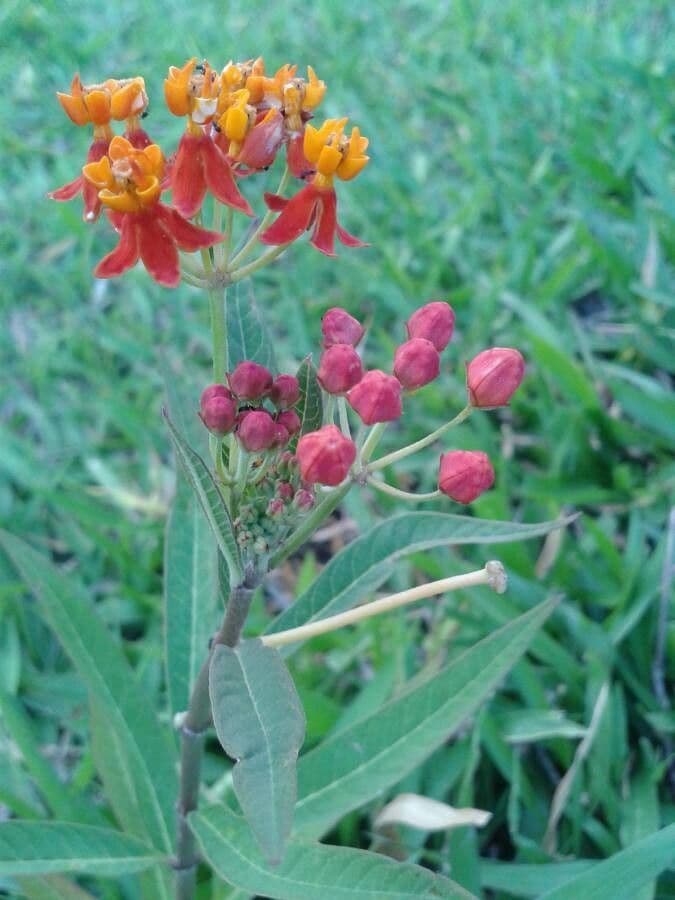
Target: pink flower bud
{"points": [[218, 413], [290, 420], [256, 431], [493, 376], [339, 327], [285, 490], [325, 456], [250, 381], [416, 363], [303, 500], [213, 390], [281, 436], [376, 398], [465, 474], [339, 369], [275, 508], [285, 391], [435, 322]]}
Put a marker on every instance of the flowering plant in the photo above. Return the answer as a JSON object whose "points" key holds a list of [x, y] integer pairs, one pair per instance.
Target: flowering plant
{"points": [[284, 449]]}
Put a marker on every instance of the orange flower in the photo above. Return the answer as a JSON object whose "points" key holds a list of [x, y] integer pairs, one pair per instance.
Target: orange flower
{"points": [[128, 181], [192, 91], [97, 104]]}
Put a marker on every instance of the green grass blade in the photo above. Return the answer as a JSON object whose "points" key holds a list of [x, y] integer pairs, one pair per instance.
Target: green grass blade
{"points": [[310, 871]]}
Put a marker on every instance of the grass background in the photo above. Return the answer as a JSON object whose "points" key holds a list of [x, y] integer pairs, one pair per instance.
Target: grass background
{"points": [[522, 168]]}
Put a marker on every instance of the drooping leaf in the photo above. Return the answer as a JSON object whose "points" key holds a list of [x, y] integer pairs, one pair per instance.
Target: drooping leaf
{"points": [[355, 765], [107, 676], [247, 334], [310, 404], [37, 848], [191, 596], [210, 499], [621, 876], [367, 562], [260, 723], [310, 871]]}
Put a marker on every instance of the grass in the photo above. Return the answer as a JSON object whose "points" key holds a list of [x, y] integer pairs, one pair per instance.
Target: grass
{"points": [[522, 167]]}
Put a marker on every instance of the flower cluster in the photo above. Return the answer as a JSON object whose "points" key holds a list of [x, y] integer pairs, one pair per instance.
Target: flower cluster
{"points": [[238, 119]]}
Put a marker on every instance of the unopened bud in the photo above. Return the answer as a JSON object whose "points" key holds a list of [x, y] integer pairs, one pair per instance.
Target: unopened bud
{"points": [[285, 490], [435, 322], [493, 376], [250, 381], [219, 413], [465, 475], [281, 436], [416, 363], [325, 456], [338, 327], [290, 420], [275, 508], [303, 500], [213, 390], [376, 398], [285, 391], [256, 431], [339, 369]]}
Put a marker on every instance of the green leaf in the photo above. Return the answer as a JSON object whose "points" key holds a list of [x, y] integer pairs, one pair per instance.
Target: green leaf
{"points": [[51, 887], [621, 876], [260, 723], [310, 871], [247, 334], [310, 404], [530, 879], [210, 499], [355, 765], [38, 848], [367, 562], [125, 712], [191, 595]]}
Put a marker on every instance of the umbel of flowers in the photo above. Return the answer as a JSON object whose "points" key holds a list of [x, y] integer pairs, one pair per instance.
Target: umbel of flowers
{"points": [[277, 467], [238, 121]]}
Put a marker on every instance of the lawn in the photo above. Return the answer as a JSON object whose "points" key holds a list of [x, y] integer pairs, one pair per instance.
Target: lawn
{"points": [[522, 168]]}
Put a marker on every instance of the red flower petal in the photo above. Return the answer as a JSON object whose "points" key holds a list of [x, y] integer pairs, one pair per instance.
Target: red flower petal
{"points": [[294, 219], [67, 191], [323, 236], [157, 249], [262, 143], [220, 179], [275, 202], [188, 236], [188, 183], [297, 161], [138, 138], [125, 254], [349, 240]]}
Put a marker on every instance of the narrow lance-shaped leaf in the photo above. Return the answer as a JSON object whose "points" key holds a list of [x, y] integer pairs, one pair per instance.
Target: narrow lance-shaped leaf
{"points": [[38, 848], [210, 499], [367, 562], [310, 871], [191, 597], [248, 337], [126, 715], [354, 766], [310, 404], [51, 887], [260, 723]]}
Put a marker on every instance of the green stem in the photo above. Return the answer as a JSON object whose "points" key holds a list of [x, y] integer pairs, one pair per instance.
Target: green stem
{"points": [[421, 444], [371, 442], [320, 512], [259, 263], [264, 222], [399, 494], [217, 304], [344, 418]]}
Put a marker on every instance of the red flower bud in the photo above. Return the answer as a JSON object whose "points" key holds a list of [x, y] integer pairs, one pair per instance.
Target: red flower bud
{"points": [[290, 420], [285, 490], [218, 413], [339, 327], [281, 436], [285, 391], [325, 456], [303, 500], [465, 474], [377, 397], [256, 431], [435, 322], [339, 369], [275, 508], [416, 363], [213, 390], [250, 381], [493, 376]]}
